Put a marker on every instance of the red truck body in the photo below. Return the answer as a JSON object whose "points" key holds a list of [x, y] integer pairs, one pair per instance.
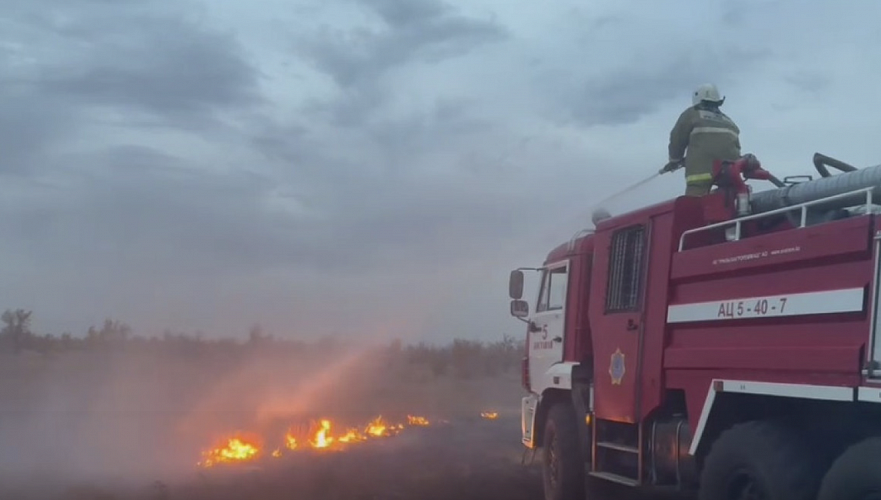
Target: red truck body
{"points": [[689, 355], [682, 326]]}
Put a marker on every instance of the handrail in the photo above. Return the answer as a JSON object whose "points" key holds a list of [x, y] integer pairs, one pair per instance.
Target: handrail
{"points": [[579, 234], [803, 207]]}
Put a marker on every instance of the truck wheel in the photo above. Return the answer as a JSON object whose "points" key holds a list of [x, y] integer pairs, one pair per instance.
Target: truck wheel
{"points": [[856, 474], [562, 464], [759, 460]]}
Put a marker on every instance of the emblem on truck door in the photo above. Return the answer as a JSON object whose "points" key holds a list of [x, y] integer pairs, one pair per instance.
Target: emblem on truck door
{"points": [[616, 368]]}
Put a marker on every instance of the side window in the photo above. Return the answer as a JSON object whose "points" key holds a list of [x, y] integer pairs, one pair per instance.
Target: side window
{"points": [[558, 280], [542, 303], [552, 295], [626, 262]]}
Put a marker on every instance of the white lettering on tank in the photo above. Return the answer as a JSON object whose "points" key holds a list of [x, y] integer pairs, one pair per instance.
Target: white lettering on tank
{"points": [[755, 255]]}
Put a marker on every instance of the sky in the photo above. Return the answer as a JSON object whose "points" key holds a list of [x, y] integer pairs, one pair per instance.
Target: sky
{"points": [[374, 168]]}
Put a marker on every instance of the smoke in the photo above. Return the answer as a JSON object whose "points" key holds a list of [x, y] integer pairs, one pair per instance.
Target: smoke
{"points": [[101, 416], [142, 411]]}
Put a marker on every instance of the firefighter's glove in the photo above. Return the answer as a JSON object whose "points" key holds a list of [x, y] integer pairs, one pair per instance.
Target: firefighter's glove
{"points": [[671, 166]]}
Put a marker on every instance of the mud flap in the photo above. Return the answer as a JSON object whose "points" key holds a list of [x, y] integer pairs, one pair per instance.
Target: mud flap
{"points": [[528, 408], [582, 401]]}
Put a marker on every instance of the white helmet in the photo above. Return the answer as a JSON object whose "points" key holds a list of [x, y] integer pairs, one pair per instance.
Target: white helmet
{"points": [[707, 92]]}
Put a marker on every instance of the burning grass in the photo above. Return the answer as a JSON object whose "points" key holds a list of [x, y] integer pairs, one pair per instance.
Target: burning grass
{"points": [[235, 449], [420, 421], [89, 417], [465, 457], [316, 436]]}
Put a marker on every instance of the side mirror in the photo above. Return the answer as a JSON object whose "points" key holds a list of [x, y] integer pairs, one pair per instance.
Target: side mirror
{"points": [[519, 308], [515, 285]]}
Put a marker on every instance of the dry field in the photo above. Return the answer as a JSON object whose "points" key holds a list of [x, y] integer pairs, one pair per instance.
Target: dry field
{"points": [[131, 423]]}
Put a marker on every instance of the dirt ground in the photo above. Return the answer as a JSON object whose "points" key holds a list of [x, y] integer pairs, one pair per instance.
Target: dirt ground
{"points": [[468, 459], [462, 460]]}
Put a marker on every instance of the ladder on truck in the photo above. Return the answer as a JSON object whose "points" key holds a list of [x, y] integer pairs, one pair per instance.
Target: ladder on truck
{"points": [[617, 452]]}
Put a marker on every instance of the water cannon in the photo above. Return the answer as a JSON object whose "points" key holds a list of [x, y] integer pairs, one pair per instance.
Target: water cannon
{"points": [[830, 196], [731, 177], [843, 190]]}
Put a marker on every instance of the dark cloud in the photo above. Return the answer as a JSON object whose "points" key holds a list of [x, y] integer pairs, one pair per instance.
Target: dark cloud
{"points": [[169, 69], [383, 208], [134, 207], [428, 31], [30, 124], [415, 30], [403, 12], [623, 66], [134, 60], [126, 205], [625, 95], [143, 210]]}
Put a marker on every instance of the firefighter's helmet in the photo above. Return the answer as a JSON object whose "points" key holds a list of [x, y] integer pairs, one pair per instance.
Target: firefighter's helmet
{"points": [[707, 92]]}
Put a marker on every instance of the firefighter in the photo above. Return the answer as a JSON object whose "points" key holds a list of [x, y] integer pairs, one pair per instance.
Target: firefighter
{"points": [[708, 135]]}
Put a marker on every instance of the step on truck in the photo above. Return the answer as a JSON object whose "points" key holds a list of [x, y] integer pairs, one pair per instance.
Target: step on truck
{"points": [[725, 345]]}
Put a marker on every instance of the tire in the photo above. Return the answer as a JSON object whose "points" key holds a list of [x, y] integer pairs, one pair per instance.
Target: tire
{"points": [[562, 463], [768, 458], [856, 474]]}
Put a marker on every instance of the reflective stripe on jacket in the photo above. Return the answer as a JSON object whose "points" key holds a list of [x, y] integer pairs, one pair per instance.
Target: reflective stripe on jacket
{"points": [[707, 134]]}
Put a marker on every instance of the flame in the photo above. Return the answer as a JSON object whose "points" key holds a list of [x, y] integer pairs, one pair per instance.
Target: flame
{"points": [[351, 436], [319, 436], [489, 415], [290, 441], [377, 428], [321, 439], [422, 421], [235, 450]]}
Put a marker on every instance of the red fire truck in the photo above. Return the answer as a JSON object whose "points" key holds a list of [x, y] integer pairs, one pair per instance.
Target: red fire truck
{"points": [[724, 345]]}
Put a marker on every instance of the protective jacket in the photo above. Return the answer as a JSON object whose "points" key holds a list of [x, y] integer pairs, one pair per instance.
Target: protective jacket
{"points": [[708, 135]]}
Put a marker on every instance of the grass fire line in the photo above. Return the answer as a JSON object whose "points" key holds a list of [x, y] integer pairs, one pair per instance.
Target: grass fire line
{"points": [[318, 436]]}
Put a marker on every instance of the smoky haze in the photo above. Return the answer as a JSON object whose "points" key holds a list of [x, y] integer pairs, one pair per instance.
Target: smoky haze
{"points": [[131, 412], [362, 170]]}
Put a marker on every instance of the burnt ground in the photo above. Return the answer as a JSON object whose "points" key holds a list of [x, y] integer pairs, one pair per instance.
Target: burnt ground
{"points": [[465, 459]]}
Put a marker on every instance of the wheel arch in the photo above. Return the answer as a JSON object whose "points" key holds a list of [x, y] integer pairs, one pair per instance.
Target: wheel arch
{"points": [[548, 399], [810, 408]]}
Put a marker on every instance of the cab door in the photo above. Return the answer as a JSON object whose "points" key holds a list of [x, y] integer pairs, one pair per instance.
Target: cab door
{"points": [[546, 331], [617, 320]]}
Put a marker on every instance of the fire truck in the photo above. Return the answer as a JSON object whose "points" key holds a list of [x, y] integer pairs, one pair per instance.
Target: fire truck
{"points": [[723, 345]]}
